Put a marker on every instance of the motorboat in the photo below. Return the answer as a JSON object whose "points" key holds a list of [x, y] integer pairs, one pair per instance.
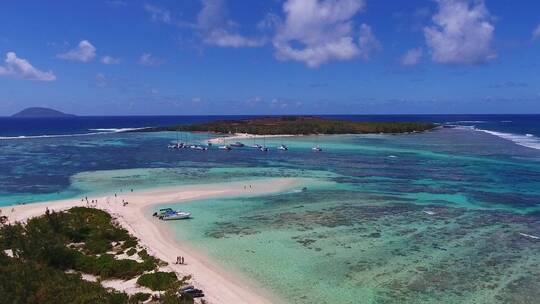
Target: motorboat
{"points": [[226, 147], [256, 146], [175, 215], [316, 149], [264, 148], [283, 148], [162, 212], [237, 145]]}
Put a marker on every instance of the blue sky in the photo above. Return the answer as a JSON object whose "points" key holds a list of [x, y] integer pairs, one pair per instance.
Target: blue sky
{"points": [[116, 57]]}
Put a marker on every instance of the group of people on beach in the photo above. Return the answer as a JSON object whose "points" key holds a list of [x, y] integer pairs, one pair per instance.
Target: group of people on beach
{"points": [[93, 203], [179, 260]]}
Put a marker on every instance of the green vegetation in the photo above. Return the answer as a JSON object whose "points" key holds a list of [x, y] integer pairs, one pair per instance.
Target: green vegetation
{"points": [[139, 297], [48, 248], [158, 280], [300, 126]]}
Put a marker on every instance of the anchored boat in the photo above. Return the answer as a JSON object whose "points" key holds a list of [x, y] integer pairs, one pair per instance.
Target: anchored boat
{"points": [[237, 145], [168, 214]]}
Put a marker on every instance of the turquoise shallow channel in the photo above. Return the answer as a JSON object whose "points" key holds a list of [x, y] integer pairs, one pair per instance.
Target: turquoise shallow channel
{"points": [[448, 216]]}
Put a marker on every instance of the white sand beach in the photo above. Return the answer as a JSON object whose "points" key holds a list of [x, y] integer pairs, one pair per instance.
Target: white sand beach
{"points": [[219, 286], [244, 136]]}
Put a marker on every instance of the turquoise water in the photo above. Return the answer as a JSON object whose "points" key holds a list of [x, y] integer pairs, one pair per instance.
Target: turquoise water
{"points": [[419, 218]]}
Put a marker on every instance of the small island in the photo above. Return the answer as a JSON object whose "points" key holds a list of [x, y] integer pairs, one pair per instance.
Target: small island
{"points": [[37, 112], [298, 125]]}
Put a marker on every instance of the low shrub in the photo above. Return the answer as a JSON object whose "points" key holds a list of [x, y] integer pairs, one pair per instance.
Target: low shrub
{"points": [[158, 280]]}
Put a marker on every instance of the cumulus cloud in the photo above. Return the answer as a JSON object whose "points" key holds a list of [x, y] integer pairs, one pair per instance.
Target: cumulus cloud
{"points": [[84, 52], [148, 59], [536, 33], [411, 57], [315, 32], [21, 68], [158, 13], [217, 29], [461, 33], [110, 60]]}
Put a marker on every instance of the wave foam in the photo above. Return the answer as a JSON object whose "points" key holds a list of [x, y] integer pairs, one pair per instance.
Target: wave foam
{"points": [[100, 131], [527, 140], [466, 121], [117, 130]]}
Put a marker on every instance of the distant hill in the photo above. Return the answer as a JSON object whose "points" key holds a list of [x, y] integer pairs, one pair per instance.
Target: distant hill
{"points": [[41, 112]]}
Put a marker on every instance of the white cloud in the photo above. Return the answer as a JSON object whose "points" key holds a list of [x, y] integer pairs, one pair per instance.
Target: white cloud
{"points": [[461, 33], [110, 60], [324, 29], [368, 44], [217, 29], [147, 59], [536, 33], [84, 52], [21, 68], [158, 13], [412, 57]]}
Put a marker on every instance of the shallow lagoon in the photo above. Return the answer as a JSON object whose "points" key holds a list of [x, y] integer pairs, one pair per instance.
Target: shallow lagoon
{"points": [[420, 218]]}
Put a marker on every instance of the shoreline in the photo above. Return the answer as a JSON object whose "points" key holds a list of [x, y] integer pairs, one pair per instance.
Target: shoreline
{"points": [[244, 136], [220, 286]]}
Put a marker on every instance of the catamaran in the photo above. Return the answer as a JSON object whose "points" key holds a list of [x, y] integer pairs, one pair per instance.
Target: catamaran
{"points": [[255, 145], [176, 145], [317, 148], [264, 148]]}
